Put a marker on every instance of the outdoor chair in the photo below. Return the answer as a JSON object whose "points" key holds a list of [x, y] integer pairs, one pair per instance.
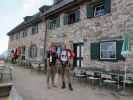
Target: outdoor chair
{"points": [[93, 77], [128, 83], [27, 63], [79, 74], [108, 81], [34, 66]]}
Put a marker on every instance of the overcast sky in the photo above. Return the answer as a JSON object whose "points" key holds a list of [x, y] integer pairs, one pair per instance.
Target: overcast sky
{"points": [[12, 13]]}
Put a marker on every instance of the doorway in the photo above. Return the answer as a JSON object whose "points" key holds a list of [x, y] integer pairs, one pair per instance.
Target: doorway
{"points": [[79, 51]]}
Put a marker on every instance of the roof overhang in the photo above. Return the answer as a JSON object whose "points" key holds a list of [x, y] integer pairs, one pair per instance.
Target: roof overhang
{"points": [[35, 19]]}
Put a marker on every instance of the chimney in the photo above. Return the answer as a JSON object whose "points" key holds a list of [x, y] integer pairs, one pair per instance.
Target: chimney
{"points": [[44, 8], [27, 18], [57, 1]]}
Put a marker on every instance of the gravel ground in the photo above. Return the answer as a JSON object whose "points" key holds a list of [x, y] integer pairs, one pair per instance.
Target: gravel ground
{"points": [[32, 86]]}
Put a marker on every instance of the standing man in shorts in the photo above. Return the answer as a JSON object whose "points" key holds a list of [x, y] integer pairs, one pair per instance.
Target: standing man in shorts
{"points": [[65, 55], [51, 69]]}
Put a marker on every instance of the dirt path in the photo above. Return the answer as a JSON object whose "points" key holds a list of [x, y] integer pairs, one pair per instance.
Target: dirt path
{"points": [[32, 86]]}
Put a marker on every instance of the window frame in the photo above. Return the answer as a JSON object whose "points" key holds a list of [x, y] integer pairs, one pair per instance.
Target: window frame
{"points": [[33, 51], [73, 13], [95, 10], [25, 33], [53, 23], [106, 5], [17, 36], [35, 29], [68, 16], [113, 43], [12, 37]]}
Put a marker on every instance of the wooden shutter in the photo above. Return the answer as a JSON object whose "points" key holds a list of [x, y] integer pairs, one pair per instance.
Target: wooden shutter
{"points": [[30, 52], [95, 51], [119, 44], [77, 14], [90, 11], [49, 24], [107, 5], [58, 22], [26, 52], [65, 19]]}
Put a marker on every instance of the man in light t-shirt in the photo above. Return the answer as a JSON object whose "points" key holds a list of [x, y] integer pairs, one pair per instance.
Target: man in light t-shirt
{"points": [[64, 58]]}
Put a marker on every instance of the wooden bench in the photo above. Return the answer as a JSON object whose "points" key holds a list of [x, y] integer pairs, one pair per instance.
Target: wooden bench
{"points": [[5, 89]]}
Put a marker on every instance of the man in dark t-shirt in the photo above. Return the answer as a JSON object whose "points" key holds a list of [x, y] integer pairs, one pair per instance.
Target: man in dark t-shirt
{"points": [[51, 71]]}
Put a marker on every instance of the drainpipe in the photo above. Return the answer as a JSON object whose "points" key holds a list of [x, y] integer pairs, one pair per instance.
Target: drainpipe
{"points": [[45, 44]]}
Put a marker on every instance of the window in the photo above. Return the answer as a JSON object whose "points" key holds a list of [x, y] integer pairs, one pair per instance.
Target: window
{"points": [[11, 37], [33, 51], [17, 36], [79, 52], [54, 23], [35, 29], [107, 50], [99, 9], [41, 51], [72, 17], [24, 33], [23, 53]]}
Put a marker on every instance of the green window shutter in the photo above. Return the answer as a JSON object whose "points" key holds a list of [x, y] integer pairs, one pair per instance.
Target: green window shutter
{"points": [[58, 22], [95, 51], [65, 19], [90, 11], [119, 44], [26, 52], [107, 5], [52, 24], [77, 14], [49, 24], [29, 52]]}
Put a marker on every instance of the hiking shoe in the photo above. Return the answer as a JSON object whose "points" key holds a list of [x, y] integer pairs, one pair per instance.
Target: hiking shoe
{"points": [[70, 87], [63, 85]]}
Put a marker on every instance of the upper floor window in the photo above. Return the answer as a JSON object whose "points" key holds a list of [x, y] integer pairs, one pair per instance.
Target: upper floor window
{"points": [[17, 36], [54, 23], [24, 34], [99, 9], [72, 17], [35, 29], [12, 37]]}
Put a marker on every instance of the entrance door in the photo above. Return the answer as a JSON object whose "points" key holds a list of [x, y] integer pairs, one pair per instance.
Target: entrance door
{"points": [[78, 50]]}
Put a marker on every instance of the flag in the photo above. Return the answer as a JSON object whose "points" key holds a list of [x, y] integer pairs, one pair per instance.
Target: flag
{"points": [[125, 47]]}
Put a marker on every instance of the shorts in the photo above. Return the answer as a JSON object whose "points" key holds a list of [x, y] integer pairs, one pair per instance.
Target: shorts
{"points": [[52, 63]]}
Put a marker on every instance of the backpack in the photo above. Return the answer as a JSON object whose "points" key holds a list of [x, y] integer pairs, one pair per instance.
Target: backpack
{"points": [[52, 57], [64, 57]]}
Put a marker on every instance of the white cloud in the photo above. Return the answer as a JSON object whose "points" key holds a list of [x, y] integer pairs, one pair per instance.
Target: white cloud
{"points": [[31, 6], [9, 18]]}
